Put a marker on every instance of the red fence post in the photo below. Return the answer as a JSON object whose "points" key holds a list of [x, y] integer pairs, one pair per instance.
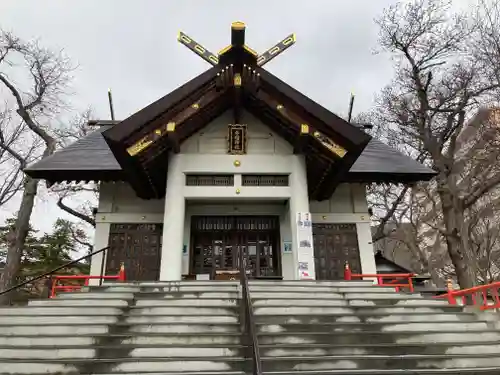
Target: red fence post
{"points": [[451, 297], [121, 274], [347, 272]]}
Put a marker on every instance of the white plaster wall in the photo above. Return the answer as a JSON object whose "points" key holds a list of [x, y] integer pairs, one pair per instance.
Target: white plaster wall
{"points": [[348, 205], [213, 138]]}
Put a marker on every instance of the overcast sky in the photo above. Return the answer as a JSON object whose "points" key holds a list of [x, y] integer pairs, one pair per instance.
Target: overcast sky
{"points": [[131, 47]]}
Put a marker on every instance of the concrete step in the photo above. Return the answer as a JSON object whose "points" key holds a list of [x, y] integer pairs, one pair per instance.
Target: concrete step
{"points": [[187, 302], [95, 295], [397, 302], [153, 295], [367, 317], [414, 361], [332, 295], [48, 309], [212, 284], [377, 337], [200, 327], [37, 320], [160, 309], [118, 351], [56, 329], [431, 371], [88, 302], [129, 365], [317, 289], [136, 316], [313, 283], [127, 339], [346, 310], [188, 319], [318, 350], [288, 302], [381, 327]]}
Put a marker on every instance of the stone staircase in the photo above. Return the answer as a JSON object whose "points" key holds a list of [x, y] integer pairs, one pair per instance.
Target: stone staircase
{"points": [[158, 328], [356, 328], [193, 328]]}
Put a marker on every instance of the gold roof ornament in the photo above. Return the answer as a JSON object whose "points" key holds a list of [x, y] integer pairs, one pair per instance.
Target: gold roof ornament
{"points": [[238, 25]]}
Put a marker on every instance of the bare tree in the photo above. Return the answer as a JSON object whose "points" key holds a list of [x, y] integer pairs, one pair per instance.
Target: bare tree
{"points": [[445, 70], [35, 79]]}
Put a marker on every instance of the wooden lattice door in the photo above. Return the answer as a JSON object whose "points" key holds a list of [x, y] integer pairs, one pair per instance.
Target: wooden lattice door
{"points": [[334, 244], [216, 242], [139, 247]]}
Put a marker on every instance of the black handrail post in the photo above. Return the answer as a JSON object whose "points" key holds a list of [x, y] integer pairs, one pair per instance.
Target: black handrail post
{"points": [[247, 318], [103, 259], [49, 273]]}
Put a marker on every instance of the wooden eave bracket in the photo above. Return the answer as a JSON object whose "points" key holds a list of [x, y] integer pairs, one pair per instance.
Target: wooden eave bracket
{"points": [[171, 127], [301, 125]]}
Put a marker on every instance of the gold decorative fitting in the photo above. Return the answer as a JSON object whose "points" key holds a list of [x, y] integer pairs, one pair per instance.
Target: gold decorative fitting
{"points": [[329, 144], [238, 191], [237, 80], [139, 146], [279, 107], [195, 106], [171, 126], [238, 25], [158, 131], [324, 217], [236, 163], [304, 128]]}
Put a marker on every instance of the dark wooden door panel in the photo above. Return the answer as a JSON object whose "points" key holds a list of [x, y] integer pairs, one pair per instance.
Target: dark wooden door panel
{"points": [[139, 247], [334, 244], [216, 242]]}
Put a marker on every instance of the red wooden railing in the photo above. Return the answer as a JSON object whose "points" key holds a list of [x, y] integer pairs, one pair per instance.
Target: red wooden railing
{"points": [[395, 280], [56, 279], [484, 297]]}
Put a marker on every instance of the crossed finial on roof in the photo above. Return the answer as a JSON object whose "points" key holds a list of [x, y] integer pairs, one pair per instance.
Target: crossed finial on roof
{"points": [[237, 43]]}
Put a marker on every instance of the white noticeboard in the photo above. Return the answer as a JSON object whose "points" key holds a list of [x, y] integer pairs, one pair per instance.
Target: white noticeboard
{"points": [[305, 245]]}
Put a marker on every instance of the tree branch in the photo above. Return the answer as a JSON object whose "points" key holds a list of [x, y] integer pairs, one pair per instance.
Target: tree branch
{"points": [[75, 213]]}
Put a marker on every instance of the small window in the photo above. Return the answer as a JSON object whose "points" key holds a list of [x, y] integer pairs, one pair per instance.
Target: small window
{"points": [[210, 180], [265, 180]]}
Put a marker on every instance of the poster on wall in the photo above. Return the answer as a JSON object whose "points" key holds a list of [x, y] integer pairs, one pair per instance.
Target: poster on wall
{"points": [[305, 253], [304, 232], [304, 271], [287, 247]]}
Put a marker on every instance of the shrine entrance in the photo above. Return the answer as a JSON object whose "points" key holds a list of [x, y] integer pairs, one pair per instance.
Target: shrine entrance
{"points": [[216, 243]]}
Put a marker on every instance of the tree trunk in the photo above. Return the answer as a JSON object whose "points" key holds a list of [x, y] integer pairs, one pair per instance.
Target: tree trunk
{"points": [[16, 246], [453, 219]]}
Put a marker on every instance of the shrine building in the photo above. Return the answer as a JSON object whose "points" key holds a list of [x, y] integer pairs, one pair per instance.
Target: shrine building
{"points": [[233, 162]]}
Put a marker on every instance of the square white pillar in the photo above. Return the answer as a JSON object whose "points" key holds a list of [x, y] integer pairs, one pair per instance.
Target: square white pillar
{"points": [[101, 240], [366, 254], [299, 203], [173, 222]]}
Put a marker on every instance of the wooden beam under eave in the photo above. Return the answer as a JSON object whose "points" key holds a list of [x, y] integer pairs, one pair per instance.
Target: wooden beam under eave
{"points": [[301, 139], [237, 98], [176, 122], [173, 138], [333, 177]]}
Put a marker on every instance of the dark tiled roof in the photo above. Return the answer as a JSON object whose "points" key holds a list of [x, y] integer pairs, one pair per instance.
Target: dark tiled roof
{"points": [[377, 162], [377, 157], [89, 153]]}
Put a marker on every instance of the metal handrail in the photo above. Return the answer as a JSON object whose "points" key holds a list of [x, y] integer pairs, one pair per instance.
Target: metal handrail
{"points": [[57, 269], [248, 318]]}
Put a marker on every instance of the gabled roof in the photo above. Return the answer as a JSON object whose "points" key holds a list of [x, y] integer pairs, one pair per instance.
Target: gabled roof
{"points": [[140, 143]]}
